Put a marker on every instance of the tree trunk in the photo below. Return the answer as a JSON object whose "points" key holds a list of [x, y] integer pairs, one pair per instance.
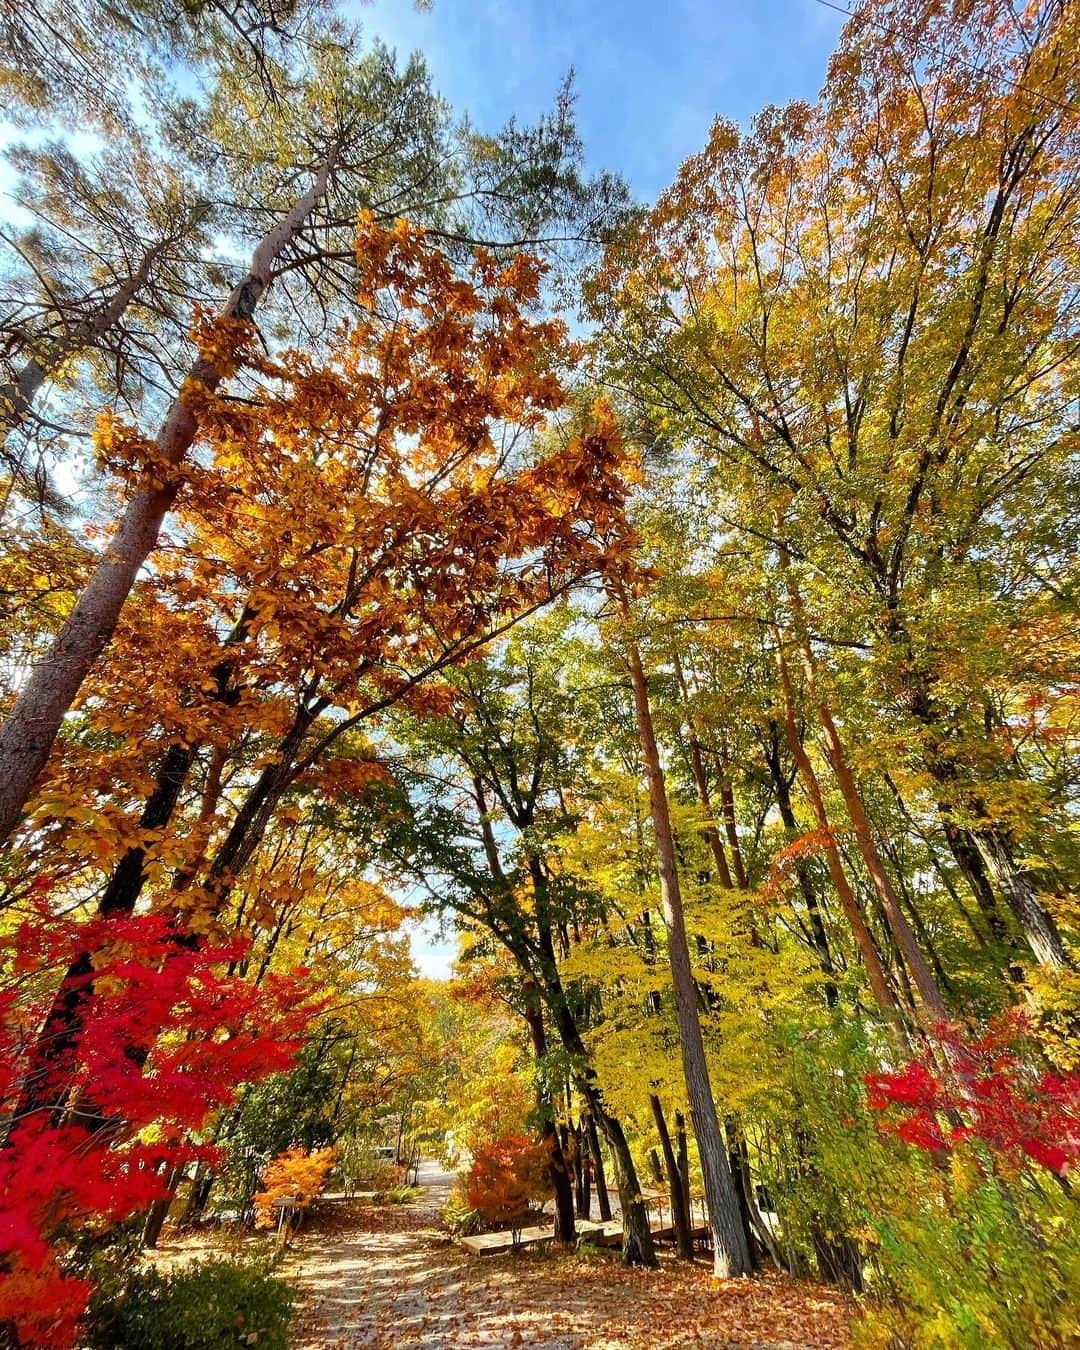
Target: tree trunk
{"points": [[159, 1210], [17, 396], [683, 1156], [727, 806], [684, 1236], [983, 848], [921, 973], [740, 1171], [583, 1196], [638, 1248], [27, 735], [730, 1253], [1035, 922], [875, 971], [818, 935], [697, 768], [917, 964], [603, 1200], [558, 1172]]}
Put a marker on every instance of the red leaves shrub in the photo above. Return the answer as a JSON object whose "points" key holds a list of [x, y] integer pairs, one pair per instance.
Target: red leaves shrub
{"points": [[991, 1092], [158, 1040], [505, 1178]]}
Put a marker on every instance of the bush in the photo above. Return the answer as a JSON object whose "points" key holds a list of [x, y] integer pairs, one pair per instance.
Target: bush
{"points": [[506, 1178], [458, 1216], [388, 1177], [400, 1195], [205, 1306], [356, 1160]]}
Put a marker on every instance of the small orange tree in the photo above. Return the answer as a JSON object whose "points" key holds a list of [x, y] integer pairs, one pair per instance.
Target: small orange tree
{"points": [[506, 1176], [295, 1176]]}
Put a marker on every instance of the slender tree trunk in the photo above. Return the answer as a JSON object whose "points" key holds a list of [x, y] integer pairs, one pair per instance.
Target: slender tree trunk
{"points": [[697, 768], [159, 1210], [584, 1173], [558, 1172], [684, 1237], [17, 396], [818, 935], [741, 1175], [875, 971], [27, 735], [603, 1200], [727, 807], [638, 1248], [917, 964], [730, 1253], [981, 849], [683, 1157], [1016, 886]]}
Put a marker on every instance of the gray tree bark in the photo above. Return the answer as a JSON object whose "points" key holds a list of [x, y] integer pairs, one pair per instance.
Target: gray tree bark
{"points": [[731, 1256]]}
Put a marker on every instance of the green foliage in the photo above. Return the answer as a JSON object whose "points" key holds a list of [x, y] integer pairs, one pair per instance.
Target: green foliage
{"points": [[205, 1306], [969, 1258], [457, 1215], [400, 1195], [284, 1110]]}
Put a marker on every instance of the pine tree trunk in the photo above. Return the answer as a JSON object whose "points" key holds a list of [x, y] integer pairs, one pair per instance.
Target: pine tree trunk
{"points": [[730, 1253], [30, 729], [18, 395]]}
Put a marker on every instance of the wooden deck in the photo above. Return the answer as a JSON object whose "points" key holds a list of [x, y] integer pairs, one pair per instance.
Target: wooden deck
{"points": [[607, 1234]]}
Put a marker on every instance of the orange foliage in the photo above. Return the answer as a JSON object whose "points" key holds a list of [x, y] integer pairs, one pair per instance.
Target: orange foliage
{"points": [[295, 1176]]}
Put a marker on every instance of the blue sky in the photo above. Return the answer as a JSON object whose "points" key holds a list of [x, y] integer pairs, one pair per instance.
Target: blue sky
{"points": [[650, 76]]}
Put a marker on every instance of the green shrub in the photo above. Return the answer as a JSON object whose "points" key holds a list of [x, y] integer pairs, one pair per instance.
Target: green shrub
{"points": [[204, 1306], [457, 1215], [400, 1195]]}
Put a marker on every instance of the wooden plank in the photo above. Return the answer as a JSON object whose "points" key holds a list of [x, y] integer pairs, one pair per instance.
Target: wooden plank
{"points": [[607, 1234], [493, 1244]]}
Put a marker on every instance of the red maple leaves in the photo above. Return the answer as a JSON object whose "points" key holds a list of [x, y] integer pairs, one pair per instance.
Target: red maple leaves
{"points": [[164, 1037], [990, 1093]]}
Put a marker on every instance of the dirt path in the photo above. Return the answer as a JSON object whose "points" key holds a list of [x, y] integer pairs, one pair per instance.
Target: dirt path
{"points": [[388, 1276], [384, 1277]]}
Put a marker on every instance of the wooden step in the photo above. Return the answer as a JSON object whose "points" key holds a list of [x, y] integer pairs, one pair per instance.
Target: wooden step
{"points": [[609, 1234]]}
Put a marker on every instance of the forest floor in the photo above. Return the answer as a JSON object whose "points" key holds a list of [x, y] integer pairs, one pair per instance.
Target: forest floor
{"points": [[380, 1277]]}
